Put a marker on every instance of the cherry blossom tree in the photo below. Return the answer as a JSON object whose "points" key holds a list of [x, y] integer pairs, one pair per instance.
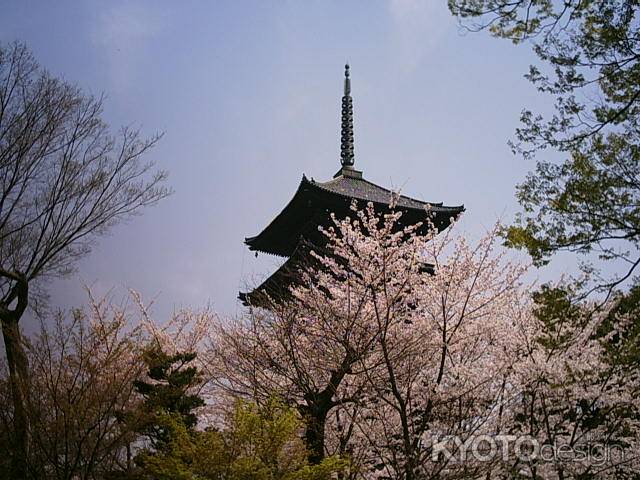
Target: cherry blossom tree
{"points": [[310, 352], [580, 406], [83, 365], [370, 337], [83, 406], [399, 339], [443, 345]]}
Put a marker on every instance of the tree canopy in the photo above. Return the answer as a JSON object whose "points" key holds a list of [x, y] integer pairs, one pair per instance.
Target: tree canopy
{"points": [[589, 52], [65, 179]]}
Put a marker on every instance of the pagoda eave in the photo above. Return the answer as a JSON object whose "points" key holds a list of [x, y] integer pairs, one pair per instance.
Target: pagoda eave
{"points": [[313, 203]]}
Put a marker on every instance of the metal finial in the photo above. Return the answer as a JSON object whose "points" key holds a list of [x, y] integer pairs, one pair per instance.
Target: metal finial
{"points": [[347, 80], [346, 136]]}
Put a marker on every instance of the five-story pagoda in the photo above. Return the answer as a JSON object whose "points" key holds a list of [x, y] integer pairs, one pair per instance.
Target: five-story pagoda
{"points": [[294, 231]]}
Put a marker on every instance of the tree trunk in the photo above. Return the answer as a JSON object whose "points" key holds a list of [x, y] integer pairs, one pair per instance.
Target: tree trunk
{"points": [[18, 369], [318, 406], [19, 382], [315, 418]]}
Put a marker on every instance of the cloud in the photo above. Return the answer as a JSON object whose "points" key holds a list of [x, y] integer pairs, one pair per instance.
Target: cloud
{"points": [[122, 33], [418, 26]]}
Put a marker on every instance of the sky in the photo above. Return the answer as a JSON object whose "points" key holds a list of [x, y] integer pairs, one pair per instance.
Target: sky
{"points": [[248, 96]]}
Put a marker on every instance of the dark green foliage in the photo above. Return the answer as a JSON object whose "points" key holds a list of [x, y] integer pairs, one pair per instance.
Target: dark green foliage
{"points": [[584, 199], [165, 417], [556, 307], [167, 395], [621, 331], [171, 379]]}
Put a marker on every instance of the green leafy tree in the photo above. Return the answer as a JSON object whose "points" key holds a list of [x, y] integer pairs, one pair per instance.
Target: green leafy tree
{"points": [[589, 52], [257, 443], [174, 458], [582, 197], [261, 443]]}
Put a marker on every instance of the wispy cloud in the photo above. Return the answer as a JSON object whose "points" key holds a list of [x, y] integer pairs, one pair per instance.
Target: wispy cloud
{"points": [[418, 27], [122, 33]]}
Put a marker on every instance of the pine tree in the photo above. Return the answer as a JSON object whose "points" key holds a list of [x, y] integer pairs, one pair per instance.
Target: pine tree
{"points": [[171, 377]]}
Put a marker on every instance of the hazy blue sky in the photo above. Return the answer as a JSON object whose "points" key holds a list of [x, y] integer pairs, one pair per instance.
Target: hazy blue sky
{"points": [[248, 95]]}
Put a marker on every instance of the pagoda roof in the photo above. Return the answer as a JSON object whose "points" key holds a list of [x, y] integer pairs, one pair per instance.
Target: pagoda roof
{"points": [[314, 201], [297, 228], [277, 287], [356, 187]]}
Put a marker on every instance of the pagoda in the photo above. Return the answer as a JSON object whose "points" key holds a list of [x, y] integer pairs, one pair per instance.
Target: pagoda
{"points": [[295, 230]]}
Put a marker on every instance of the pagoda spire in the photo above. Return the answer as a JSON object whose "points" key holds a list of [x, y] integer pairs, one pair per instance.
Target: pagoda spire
{"points": [[346, 134]]}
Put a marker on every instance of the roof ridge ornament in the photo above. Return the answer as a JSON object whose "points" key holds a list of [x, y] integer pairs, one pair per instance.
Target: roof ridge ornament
{"points": [[346, 134]]}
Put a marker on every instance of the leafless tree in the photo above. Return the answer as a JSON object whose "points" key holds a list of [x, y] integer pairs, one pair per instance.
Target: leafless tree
{"points": [[64, 180]]}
